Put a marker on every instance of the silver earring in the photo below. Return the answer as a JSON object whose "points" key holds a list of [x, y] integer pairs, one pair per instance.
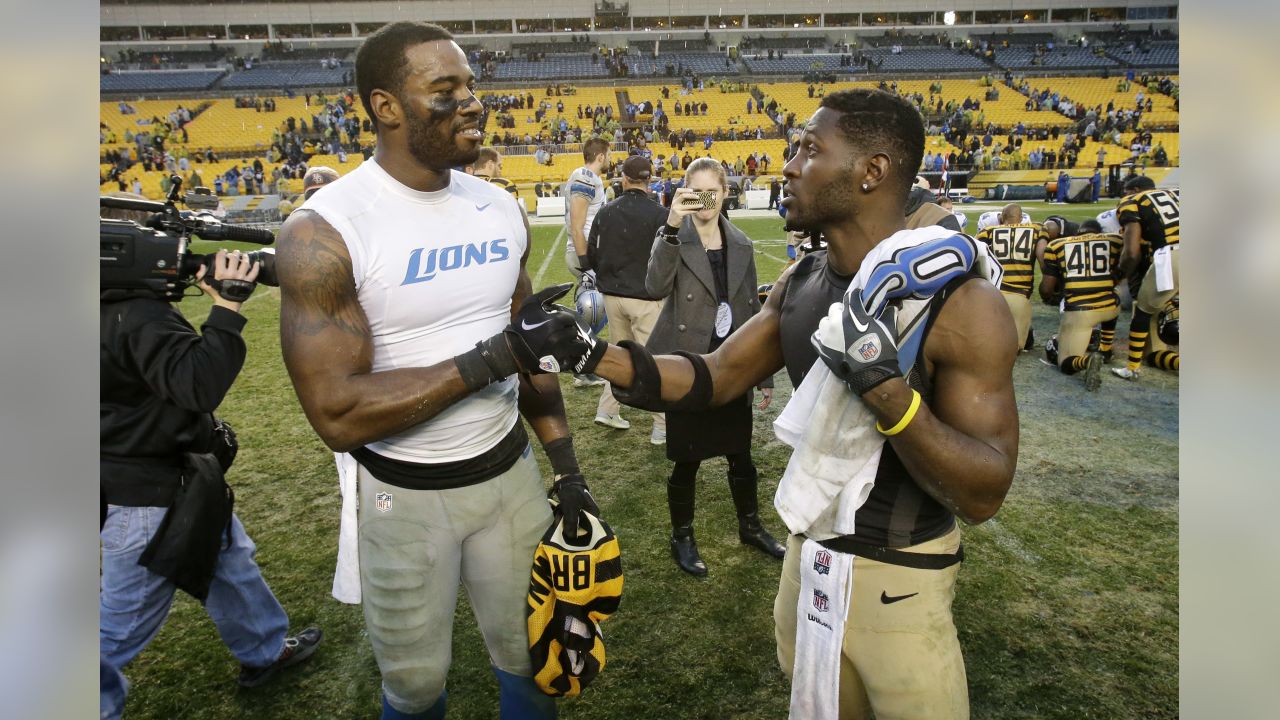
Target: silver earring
{"points": [[865, 187]]}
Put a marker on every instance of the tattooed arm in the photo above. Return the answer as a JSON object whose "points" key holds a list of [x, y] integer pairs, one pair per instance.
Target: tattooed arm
{"points": [[328, 349]]}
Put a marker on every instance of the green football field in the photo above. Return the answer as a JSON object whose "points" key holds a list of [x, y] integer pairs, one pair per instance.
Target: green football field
{"points": [[1067, 603]]}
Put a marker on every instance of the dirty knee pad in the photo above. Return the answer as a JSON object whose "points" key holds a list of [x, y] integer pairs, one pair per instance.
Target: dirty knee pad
{"points": [[520, 699]]}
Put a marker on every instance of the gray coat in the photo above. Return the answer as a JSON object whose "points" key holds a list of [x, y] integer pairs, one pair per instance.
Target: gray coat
{"points": [[682, 274]]}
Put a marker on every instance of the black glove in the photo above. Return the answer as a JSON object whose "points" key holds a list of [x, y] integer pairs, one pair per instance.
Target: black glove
{"points": [[552, 338], [573, 497], [861, 350]]}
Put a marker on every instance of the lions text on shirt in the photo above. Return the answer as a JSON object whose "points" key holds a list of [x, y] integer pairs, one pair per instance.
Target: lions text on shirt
{"points": [[589, 185], [434, 273]]}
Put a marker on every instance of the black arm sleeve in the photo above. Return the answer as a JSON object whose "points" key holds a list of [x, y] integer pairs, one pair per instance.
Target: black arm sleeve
{"points": [[183, 368]]}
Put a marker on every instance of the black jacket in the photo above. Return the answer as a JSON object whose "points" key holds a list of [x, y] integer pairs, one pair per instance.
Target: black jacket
{"points": [[160, 384], [619, 243]]}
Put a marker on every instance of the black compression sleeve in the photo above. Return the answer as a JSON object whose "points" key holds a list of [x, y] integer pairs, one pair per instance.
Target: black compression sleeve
{"points": [[699, 396], [490, 361], [562, 457], [645, 391]]}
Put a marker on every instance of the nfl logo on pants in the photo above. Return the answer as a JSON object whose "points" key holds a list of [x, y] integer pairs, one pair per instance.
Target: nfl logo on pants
{"points": [[382, 501]]}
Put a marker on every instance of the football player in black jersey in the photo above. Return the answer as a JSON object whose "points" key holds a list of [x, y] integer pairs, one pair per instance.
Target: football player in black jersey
{"points": [[1153, 215], [1080, 271], [950, 450], [1015, 244]]}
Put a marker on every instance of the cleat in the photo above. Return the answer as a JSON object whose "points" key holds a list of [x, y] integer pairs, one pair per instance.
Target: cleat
{"points": [[1125, 372], [1093, 372], [657, 436]]}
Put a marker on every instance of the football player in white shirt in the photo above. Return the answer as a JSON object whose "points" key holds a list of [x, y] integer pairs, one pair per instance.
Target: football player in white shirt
{"points": [[584, 195], [400, 284], [988, 219]]}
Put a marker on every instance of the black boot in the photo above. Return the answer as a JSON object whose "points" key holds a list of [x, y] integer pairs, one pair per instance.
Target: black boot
{"points": [[685, 551], [750, 530], [683, 547]]}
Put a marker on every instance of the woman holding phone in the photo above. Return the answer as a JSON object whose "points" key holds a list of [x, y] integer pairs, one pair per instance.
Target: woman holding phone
{"points": [[706, 269]]}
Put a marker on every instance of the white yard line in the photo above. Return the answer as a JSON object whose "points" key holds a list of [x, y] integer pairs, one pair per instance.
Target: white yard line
{"points": [[1009, 542], [546, 262]]}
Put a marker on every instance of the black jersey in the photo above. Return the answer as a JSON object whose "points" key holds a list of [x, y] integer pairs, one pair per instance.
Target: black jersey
{"points": [[1014, 246], [1158, 214], [1066, 228], [897, 513], [1085, 265]]}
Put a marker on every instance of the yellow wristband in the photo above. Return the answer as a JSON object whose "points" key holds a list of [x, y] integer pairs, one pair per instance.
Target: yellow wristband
{"points": [[907, 417]]}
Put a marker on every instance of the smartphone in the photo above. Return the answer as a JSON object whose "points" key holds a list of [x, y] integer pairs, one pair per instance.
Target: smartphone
{"points": [[706, 198]]}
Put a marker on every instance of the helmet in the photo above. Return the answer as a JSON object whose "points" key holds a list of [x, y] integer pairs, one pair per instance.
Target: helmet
{"points": [[1167, 323], [763, 292], [574, 586], [590, 306], [1051, 349]]}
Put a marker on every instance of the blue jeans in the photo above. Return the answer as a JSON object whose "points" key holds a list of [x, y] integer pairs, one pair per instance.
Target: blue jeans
{"points": [[134, 601]]}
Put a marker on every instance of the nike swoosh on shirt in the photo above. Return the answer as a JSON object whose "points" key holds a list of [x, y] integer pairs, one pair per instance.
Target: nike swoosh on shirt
{"points": [[524, 324], [482, 208]]}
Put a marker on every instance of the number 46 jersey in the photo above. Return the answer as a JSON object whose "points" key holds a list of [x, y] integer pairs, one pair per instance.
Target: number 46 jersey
{"points": [[1085, 265], [1014, 246]]}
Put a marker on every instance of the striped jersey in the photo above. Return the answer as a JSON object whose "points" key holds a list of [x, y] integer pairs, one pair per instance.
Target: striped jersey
{"points": [[1157, 213], [1085, 265], [572, 589], [1014, 246]]}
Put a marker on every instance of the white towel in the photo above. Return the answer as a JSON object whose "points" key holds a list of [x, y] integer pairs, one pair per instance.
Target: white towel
{"points": [[1162, 259], [837, 449], [821, 610], [346, 576]]}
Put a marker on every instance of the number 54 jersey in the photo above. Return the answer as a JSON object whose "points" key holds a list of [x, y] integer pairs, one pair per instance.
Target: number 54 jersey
{"points": [[1086, 265], [1159, 213], [1014, 246]]}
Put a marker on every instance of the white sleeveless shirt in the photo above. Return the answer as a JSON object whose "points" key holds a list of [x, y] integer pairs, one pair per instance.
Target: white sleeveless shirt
{"points": [[434, 273]]}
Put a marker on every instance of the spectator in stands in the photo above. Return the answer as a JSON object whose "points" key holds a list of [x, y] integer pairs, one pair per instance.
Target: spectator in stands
{"points": [[316, 178], [1160, 156]]}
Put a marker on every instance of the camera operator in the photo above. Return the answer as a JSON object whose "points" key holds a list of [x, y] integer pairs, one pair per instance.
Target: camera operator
{"points": [[160, 383]]}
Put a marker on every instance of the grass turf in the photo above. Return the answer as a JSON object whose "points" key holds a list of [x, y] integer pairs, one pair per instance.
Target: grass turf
{"points": [[1067, 604]]}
